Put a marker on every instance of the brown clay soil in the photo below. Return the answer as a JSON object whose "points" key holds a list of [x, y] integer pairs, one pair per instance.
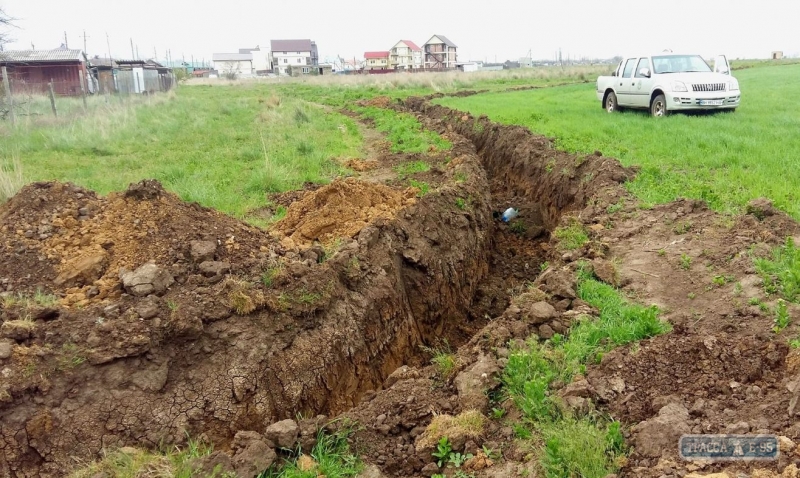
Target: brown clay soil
{"points": [[336, 309]]}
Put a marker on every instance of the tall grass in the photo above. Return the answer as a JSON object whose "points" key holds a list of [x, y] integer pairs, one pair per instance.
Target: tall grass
{"points": [[34, 110], [725, 159], [11, 179]]}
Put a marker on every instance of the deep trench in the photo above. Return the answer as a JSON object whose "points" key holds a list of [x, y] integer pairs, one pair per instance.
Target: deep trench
{"points": [[433, 273]]}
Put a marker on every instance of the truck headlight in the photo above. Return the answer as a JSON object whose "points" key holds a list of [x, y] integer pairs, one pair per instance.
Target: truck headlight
{"points": [[733, 85], [679, 86]]}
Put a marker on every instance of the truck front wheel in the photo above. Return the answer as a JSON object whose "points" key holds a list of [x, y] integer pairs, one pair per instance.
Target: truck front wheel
{"points": [[611, 102], [658, 107]]}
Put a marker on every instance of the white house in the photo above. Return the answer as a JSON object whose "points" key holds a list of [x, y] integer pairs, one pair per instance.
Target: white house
{"points": [[293, 57], [405, 55], [238, 64], [260, 59]]}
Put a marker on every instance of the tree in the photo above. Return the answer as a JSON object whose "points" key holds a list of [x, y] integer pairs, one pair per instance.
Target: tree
{"points": [[5, 23]]}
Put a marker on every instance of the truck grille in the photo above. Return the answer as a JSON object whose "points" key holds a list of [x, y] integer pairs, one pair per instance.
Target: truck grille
{"points": [[708, 87]]}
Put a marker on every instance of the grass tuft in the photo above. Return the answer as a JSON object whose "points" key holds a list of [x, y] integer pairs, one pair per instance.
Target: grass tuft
{"points": [[781, 272], [11, 179], [331, 457], [571, 237]]}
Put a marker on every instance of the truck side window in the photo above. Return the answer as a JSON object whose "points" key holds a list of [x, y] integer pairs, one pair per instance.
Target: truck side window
{"points": [[629, 67], [643, 63]]}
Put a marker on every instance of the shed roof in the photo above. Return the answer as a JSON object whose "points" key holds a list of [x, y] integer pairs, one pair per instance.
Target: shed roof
{"points": [[41, 56], [371, 55], [291, 45], [443, 39], [232, 57]]}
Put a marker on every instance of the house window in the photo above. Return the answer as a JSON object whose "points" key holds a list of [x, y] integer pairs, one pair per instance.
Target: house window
{"points": [[305, 70], [284, 53], [285, 60], [298, 60], [299, 53]]}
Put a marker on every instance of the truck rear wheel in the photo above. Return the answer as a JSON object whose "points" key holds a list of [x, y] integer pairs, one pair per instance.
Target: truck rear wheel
{"points": [[611, 102], [658, 107]]}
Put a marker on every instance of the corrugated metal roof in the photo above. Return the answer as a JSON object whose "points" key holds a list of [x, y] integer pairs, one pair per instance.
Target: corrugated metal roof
{"points": [[32, 56], [376, 54], [232, 57], [290, 45], [444, 40]]}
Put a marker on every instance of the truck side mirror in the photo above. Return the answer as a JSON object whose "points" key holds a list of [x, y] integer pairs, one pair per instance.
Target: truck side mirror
{"points": [[645, 72]]}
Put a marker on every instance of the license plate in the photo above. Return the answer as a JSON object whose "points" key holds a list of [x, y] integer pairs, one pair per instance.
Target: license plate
{"points": [[711, 102]]}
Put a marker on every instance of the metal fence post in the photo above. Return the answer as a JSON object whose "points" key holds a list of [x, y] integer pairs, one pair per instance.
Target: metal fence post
{"points": [[7, 87], [83, 89], [52, 98]]}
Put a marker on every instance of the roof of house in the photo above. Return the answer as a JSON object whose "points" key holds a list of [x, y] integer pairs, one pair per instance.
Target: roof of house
{"points": [[31, 56], [291, 45], [232, 57], [371, 55], [443, 40], [249, 50], [411, 45], [103, 62]]}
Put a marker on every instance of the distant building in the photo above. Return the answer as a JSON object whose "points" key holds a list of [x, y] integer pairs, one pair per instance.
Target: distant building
{"points": [[376, 60], [405, 55], [233, 64], [301, 55], [260, 59], [777, 55], [32, 70], [440, 53]]}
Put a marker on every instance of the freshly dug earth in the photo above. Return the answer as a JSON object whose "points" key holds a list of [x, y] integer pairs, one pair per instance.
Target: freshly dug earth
{"points": [[226, 330], [341, 209]]}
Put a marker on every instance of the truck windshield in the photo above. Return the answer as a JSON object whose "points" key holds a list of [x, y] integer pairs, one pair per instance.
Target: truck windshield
{"points": [[679, 64]]}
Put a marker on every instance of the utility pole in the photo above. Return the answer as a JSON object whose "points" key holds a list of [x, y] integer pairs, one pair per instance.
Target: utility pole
{"points": [[137, 52], [66, 43], [84, 43], [108, 44], [133, 53], [155, 54]]}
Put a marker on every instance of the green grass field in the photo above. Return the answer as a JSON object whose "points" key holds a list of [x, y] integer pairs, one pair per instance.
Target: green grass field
{"points": [[725, 159], [224, 147]]}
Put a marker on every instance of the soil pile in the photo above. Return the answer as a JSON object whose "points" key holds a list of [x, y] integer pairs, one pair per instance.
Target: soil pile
{"points": [[341, 209], [81, 242]]}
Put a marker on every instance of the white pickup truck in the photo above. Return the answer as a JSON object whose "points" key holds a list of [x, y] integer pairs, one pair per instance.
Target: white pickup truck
{"points": [[669, 82]]}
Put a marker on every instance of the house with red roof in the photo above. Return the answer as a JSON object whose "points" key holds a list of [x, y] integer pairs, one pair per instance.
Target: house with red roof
{"points": [[405, 55], [376, 60]]}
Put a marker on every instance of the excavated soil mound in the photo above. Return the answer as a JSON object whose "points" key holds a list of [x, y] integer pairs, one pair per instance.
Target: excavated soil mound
{"points": [[65, 239], [341, 209]]}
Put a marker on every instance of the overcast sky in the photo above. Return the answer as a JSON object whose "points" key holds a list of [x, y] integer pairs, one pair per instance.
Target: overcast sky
{"points": [[502, 29]]}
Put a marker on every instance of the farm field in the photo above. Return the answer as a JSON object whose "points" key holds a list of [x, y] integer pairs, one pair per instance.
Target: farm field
{"points": [[350, 304], [724, 159]]}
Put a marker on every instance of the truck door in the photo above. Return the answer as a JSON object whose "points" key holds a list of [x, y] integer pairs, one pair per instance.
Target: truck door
{"points": [[624, 84], [642, 84], [721, 65]]}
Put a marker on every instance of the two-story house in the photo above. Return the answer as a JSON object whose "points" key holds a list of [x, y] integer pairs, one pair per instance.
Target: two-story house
{"points": [[440, 52], [405, 55], [293, 57], [376, 60]]}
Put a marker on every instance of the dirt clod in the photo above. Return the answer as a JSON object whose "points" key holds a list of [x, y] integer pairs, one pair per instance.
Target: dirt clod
{"points": [[283, 433], [147, 279]]}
